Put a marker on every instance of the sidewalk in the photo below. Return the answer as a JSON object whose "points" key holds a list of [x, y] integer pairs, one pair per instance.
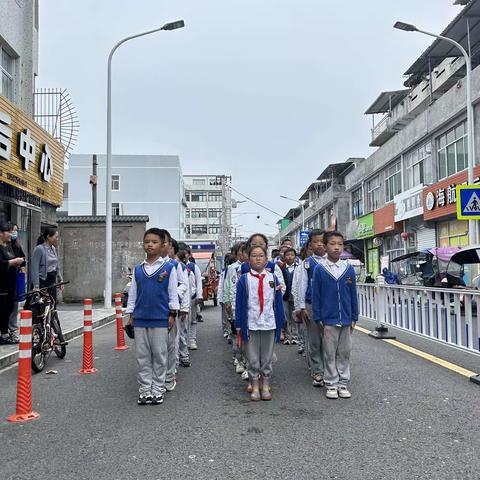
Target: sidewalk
{"points": [[71, 319]]}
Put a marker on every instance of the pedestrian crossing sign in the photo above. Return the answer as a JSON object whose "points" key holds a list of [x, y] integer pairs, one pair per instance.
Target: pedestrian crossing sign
{"points": [[468, 202]]}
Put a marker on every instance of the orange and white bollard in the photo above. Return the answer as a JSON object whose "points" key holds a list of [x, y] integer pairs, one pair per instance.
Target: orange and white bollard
{"points": [[24, 411], [88, 337], [119, 318]]}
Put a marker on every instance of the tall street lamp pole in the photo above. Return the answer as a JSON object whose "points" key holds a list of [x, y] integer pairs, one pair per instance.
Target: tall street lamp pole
{"points": [[108, 203], [472, 230]]}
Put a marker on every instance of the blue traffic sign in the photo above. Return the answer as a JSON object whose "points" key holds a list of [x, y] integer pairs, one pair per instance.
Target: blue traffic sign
{"points": [[303, 237], [468, 202]]}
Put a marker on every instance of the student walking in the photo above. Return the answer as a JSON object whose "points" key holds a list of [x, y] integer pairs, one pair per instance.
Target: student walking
{"points": [[153, 305], [336, 315], [259, 318], [288, 270]]}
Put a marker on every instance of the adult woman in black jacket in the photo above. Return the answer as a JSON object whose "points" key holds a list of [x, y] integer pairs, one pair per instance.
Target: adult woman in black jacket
{"points": [[8, 281]]}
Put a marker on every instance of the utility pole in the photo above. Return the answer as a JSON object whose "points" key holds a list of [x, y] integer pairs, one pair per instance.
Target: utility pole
{"points": [[93, 183]]}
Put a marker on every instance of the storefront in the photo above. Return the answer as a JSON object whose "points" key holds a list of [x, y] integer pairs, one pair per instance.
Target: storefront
{"points": [[366, 231], [441, 209], [388, 235], [31, 174]]}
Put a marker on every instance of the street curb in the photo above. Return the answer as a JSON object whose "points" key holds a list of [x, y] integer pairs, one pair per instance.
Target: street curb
{"points": [[12, 357]]}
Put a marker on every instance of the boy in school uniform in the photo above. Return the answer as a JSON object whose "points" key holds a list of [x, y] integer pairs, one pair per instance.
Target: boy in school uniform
{"points": [[153, 305], [197, 298], [228, 260], [336, 315], [186, 304], [288, 270], [184, 300], [313, 334]]}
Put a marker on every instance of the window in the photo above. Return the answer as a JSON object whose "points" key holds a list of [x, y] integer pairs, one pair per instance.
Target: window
{"points": [[452, 151], [373, 194], [198, 197], [187, 213], [115, 183], [199, 228], [217, 181], [393, 246], [115, 209], [214, 229], [199, 181], [415, 164], [393, 181], [198, 213], [214, 212], [214, 196], [357, 203], [453, 233], [7, 64]]}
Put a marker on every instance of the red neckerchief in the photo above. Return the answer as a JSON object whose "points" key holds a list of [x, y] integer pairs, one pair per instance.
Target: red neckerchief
{"points": [[260, 278]]}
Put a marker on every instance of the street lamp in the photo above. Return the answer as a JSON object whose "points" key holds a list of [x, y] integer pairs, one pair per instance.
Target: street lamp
{"points": [[407, 27], [302, 204], [108, 203]]}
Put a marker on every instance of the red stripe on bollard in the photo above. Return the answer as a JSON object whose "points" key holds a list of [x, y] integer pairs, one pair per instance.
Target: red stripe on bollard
{"points": [[119, 318], [24, 411], [87, 338]]}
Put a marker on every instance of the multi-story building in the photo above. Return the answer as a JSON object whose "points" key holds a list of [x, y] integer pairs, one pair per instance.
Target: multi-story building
{"points": [[209, 208], [31, 174], [402, 197], [141, 185]]}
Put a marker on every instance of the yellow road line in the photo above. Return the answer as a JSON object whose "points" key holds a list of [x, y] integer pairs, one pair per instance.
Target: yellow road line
{"points": [[426, 356]]}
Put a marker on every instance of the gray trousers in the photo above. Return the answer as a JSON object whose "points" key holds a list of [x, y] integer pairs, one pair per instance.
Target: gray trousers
{"points": [[313, 344], [192, 325], [291, 327], [225, 322], [259, 351], [151, 345], [337, 345], [13, 320], [183, 339], [172, 353]]}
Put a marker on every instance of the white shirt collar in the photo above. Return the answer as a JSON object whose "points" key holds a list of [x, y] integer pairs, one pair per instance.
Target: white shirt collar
{"points": [[253, 272], [158, 260]]}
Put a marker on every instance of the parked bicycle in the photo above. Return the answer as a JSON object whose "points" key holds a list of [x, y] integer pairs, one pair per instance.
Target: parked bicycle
{"points": [[46, 327]]}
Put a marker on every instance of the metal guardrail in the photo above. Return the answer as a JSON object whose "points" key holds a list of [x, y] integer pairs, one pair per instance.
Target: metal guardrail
{"points": [[450, 316]]}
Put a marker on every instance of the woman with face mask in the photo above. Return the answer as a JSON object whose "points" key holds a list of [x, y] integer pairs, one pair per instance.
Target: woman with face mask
{"points": [[17, 251]]}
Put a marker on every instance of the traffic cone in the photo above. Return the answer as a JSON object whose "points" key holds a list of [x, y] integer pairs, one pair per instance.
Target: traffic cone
{"points": [[87, 337], [119, 317], [24, 411]]}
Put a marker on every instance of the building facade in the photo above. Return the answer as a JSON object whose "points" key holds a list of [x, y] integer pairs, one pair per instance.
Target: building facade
{"points": [[402, 197], [209, 208], [150, 185], [31, 160]]}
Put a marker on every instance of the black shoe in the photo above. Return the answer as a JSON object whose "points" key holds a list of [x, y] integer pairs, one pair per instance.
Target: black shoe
{"points": [[144, 399], [157, 399], [7, 341], [185, 362]]}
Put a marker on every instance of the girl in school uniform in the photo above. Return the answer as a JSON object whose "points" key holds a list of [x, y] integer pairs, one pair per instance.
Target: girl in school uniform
{"points": [[259, 318]]}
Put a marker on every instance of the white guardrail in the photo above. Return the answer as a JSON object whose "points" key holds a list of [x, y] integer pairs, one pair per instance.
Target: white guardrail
{"points": [[448, 315]]}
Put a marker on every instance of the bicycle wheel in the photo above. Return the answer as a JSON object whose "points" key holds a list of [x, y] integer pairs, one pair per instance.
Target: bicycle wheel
{"points": [[60, 350], [38, 353]]}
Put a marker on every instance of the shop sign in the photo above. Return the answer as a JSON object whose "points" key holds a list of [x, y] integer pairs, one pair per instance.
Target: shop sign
{"points": [[440, 200], [409, 204], [30, 158], [365, 227]]}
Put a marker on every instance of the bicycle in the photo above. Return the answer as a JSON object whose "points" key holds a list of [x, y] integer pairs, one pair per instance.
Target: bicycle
{"points": [[45, 326]]}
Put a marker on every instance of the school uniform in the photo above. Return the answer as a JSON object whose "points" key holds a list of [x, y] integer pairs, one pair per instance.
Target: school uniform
{"points": [[296, 307], [291, 327], [152, 295], [335, 304], [183, 353], [225, 323], [197, 293], [313, 334], [260, 317]]}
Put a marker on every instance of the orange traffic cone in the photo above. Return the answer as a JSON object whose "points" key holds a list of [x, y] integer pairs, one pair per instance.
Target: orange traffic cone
{"points": [[24, 411], [119, 317], [87, 337]]}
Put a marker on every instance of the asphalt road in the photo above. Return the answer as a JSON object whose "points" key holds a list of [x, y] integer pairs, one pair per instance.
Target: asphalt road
{"points": [[407, 419]]}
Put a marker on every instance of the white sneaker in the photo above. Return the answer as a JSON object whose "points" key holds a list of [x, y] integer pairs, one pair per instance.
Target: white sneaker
{"points": [[225, 334], [193, 346], [245, 375], [170, 387], [235, 362], [332, 393], [343, 392], [239, 368]]}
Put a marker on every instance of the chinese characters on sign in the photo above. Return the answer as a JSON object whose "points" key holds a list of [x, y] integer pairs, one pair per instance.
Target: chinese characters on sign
{"points": [[442, 197], [26, 148]]}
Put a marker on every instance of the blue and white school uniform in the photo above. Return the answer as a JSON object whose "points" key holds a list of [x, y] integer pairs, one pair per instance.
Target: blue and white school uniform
{"points": [[197, 293], [152, 295], [260, 317]]}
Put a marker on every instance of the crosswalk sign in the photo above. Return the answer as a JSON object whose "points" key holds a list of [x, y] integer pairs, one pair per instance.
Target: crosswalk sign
{"points": [[468, 202]]}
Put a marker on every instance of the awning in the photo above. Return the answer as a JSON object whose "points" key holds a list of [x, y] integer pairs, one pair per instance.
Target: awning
{"points": [[386, 101], [440, 49]]}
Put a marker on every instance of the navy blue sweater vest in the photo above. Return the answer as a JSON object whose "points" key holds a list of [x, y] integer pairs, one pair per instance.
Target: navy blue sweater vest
{"points": [[312, 263], [151, 307]]}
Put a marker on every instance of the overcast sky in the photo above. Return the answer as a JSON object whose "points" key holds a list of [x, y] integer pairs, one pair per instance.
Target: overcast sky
{"points": [[267, 91]]}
